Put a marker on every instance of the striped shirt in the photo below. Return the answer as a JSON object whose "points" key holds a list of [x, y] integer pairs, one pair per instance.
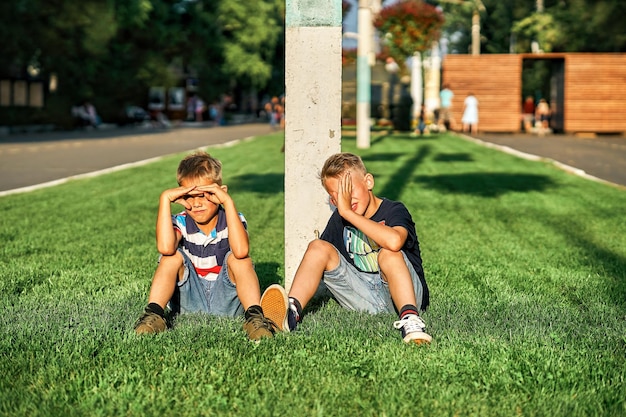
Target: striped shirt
{"points": [[206, 252]]}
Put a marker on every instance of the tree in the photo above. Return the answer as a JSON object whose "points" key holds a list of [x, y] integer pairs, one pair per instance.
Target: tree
{"points": [[409, 26], [477, 7], [558, 26], [250, 30], [112, 51]]}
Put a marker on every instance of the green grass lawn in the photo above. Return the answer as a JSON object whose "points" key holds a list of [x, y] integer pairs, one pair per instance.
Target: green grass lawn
{"points": [[526, 266]]}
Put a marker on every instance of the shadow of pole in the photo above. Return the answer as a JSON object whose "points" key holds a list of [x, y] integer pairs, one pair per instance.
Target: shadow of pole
{"points": [[399, 179], [603, 261]]}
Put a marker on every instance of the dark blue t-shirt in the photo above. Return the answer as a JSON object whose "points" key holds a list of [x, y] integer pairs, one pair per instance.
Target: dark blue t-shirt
{"points": [[362, 252]]}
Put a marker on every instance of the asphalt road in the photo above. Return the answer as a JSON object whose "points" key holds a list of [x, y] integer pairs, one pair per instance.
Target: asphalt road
{"points": [[603, 157], [29, 160]]}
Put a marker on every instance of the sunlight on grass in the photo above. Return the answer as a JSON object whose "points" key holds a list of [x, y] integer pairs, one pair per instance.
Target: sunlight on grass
{"points": [[526, 266]]}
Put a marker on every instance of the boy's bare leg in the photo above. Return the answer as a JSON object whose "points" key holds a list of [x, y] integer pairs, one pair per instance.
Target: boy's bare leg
{"points": [[320, 256], [396, 274], [242, 274], [169, 270]]}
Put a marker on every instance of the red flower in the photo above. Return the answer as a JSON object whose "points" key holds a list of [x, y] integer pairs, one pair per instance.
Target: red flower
{"points": [[413, 26]]}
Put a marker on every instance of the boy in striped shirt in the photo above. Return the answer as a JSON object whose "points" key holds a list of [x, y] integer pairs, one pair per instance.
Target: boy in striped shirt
{"points": [[205, 264]]}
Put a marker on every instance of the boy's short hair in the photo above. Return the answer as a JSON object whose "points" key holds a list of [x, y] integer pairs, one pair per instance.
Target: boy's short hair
{"points": [[200, 165], [339, 163]]}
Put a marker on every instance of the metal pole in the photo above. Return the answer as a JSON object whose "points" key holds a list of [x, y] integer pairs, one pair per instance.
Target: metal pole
{"points": [[363, 75]]}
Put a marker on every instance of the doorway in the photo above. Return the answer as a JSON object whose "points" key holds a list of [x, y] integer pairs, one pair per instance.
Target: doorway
{"points": [[545, 78]]}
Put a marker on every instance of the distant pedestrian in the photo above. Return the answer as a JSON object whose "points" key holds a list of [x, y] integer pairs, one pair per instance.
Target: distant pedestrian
{"points": [[445, 96], [215, 113], [542, 115], [470, 114], [86, 115], [528, 113], [421, 120], [199, 109], [191, 108], [273, 109]]}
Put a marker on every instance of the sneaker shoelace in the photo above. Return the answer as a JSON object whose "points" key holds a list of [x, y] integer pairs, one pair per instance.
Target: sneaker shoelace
{"points": [[270, 323], [149, 317], [259, 321], [410, 324]]}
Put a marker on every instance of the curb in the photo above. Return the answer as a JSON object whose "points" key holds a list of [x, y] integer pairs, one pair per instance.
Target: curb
{"points": [[112, 169], [564, 167]]}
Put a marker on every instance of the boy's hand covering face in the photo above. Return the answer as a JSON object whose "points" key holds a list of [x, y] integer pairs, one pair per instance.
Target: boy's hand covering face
{"points": [[185, 196], [216, 194], [344, 193], [182, 196]]}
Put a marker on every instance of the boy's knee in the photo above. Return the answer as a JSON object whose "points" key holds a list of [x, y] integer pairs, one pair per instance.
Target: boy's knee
{"points": [[172, 260], [386, 256], [319, 245], [236, 263], [172, 265]]}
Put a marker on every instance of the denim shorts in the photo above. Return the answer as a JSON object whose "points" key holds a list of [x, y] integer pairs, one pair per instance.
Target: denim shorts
{"points": [[194, 294], [361, 291]]}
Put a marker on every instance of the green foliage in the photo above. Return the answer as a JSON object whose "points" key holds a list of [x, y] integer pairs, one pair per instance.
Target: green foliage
{"points": [[540, 27], [526, 266], [251, 31], [113, 51], [572, 26]]}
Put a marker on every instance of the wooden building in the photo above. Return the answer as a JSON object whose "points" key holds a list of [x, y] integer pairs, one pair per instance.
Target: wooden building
{"points": [[587, 90]]}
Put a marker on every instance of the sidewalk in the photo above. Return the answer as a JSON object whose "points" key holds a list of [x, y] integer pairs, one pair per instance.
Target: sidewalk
{"points": [[27, 160], [602, 157]]}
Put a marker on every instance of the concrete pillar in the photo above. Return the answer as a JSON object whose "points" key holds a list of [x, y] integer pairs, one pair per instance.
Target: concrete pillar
{"points": [[313, 118]]}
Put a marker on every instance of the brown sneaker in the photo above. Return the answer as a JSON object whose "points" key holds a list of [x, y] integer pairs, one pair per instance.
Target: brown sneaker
{"points": [[150, 323], [257, 326]]}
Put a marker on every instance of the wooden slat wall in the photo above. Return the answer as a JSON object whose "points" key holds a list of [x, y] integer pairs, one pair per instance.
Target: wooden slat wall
{"points": [[594, 96], [595, 93], [495, 80]]}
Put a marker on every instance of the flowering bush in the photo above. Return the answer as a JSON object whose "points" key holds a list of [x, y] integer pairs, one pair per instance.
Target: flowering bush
{"points": [[409, 26], [348, 56]]}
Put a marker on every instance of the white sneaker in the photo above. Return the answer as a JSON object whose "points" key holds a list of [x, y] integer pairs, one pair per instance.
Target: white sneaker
{"points": [[413, 329]]}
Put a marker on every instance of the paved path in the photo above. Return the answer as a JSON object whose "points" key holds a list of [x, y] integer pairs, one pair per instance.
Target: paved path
{"points": [[602, 157], [28, 160]]}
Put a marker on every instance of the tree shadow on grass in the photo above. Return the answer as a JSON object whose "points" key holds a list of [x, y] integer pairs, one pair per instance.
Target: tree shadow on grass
{"points": [[492, 184], [607, 263], [377, 139], [382, 157], [398, 180], [270, 183], [453, 157]]}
